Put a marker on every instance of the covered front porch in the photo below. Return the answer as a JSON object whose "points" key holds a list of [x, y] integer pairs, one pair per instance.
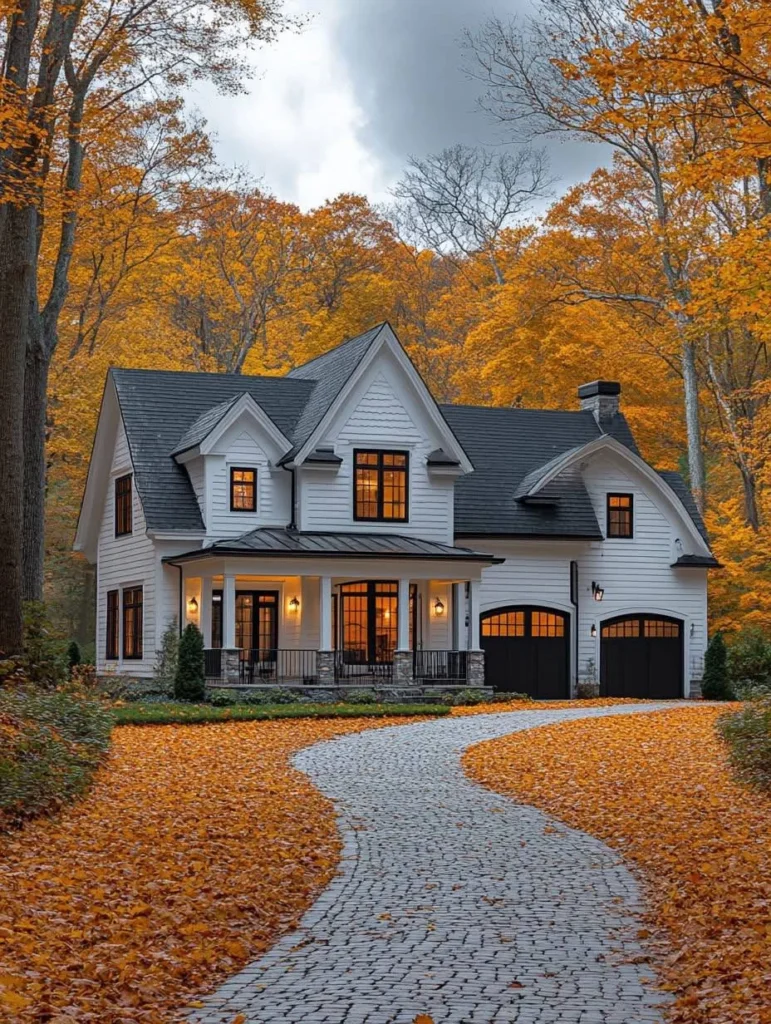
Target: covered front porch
{"points": [[349, 622]]}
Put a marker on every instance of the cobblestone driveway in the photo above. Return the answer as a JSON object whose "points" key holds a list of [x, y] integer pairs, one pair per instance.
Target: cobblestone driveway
{"points": [[452, 901]]}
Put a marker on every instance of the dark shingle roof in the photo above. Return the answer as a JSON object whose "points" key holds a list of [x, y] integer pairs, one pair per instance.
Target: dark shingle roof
{"points": [[683, 491], [696, 562], [160, 406], [203, 426], [276, 541]]}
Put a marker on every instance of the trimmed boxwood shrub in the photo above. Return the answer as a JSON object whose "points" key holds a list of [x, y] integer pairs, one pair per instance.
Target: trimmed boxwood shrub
{"points": [[190, 680], [50, 744]]}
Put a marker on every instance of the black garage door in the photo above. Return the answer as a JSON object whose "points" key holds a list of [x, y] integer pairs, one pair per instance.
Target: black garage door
{"points": [[526, 651], [641, 656]]}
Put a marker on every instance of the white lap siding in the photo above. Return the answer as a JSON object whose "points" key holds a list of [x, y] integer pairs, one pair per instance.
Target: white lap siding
{"points": [[123, 562], [382, 416]]}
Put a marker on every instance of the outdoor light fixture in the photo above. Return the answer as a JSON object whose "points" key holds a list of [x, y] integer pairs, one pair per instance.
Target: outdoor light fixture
{"points": [[438, 607], [693, 628], [294, 605], [597, 592], [192, 606], [593, 630]]}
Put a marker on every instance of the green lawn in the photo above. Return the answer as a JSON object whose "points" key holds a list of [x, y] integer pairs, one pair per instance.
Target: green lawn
{"points": [[173, 714]]}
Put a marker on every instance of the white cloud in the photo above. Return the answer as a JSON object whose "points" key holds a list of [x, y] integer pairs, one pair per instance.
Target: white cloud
{"points": [[299, 126]]}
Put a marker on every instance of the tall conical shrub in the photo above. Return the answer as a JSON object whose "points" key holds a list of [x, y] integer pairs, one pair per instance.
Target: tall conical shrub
{"points": [[189, 679], [714, 682]]}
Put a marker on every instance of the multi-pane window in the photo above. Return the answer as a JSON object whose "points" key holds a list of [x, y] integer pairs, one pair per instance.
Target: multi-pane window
{"points": [[637, 627], [547, 624], [661, 627], [626, 628], [504, 624], [243, 489], [123, 523], [113, 626], [132, 623], [620, 513], [380, 485], [370, 621]]}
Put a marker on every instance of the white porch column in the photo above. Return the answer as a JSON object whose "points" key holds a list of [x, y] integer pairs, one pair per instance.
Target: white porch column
{"points": [[325, 613], [403, 616], [473, 615], [206, 609], [229, 611], [459, 631]]}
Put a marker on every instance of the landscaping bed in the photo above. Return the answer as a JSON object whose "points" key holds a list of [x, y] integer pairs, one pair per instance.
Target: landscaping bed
{"points": [[170, 713], [192, 852], [659, 788]]}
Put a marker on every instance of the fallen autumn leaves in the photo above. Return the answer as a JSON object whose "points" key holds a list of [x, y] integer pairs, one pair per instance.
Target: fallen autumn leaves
{"points": [[658, 788], [194, 850]]}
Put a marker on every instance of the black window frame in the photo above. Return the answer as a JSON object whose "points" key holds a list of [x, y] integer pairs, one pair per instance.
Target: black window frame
{"points": [[381, 469], [243, 469], [112, 631], [138, 607], [619, 536], [124, 502]]}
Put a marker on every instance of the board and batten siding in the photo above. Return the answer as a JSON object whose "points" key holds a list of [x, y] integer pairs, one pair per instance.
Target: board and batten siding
{"points": [[384, 416], [125, 562]]}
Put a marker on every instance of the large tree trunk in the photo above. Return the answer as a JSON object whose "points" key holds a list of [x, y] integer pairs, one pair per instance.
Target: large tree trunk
{"points": [[749, 487], [696, 469], [17, 283], [35, 387]]}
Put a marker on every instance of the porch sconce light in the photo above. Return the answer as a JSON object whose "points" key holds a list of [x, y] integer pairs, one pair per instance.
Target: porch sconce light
{"points": [[438, 607], [593, 630], [693, 628], [192, 606], [597, 592], [294, 605]]}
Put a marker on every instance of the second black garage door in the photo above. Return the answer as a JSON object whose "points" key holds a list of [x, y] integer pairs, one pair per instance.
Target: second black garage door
{"points": [[527, 651], [641, 656]]}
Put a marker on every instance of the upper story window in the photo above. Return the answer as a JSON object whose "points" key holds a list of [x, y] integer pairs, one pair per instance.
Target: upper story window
{"points": [[380, 486], [123, 523], [620, 515], [243, 489], [133, 618]]}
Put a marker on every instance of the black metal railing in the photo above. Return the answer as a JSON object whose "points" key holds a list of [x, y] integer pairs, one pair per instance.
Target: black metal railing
{"points": [[278, 666], [440, 667], [352, 666], [212, 663]]}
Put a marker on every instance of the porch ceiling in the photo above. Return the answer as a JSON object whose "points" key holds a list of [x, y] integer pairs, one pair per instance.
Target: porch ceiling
{"points": [[275, 542]]}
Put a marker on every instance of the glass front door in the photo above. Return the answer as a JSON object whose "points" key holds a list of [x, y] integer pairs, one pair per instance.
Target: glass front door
{"points": [[257, 624], [368, 627]]}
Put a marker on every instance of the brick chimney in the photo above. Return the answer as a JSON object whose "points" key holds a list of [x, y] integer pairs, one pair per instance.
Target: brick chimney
{"points": [[600, 398]]}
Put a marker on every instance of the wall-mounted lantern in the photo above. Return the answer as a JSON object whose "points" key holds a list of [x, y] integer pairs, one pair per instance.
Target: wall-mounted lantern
{"points": [[294, 605], [438, 607], [597, 592], [192, 606], [593, 630]]}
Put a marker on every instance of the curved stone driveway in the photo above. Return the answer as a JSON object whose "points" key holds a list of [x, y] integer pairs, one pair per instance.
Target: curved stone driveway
{"points": [[452, 901]]}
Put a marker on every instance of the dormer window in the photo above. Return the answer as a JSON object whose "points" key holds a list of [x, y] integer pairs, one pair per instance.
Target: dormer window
{"points": [[380, 486], [123, 522], [243, 489], [620, 515]]}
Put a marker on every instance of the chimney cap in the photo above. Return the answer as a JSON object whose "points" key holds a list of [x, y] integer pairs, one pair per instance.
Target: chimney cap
{"points": [[599, 387]]}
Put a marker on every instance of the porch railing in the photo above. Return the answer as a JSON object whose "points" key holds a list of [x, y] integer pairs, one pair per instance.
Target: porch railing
{"points": [[278, 666], [352, 666], [212, 663], [440, 667]]}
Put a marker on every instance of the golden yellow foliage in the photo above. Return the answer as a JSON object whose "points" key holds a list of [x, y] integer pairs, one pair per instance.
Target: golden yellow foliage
{"points": [[658, 788]]}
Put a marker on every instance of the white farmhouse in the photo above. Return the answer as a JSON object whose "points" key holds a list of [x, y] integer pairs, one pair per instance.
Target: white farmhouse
{"points": [[338, 527]]}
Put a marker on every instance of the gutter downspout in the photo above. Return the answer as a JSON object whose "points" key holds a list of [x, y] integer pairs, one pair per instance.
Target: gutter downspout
{"points": [[292, 527], [574, 602]]}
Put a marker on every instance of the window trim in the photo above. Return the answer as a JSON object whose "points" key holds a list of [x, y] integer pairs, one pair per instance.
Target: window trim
{"points": [[380, 452], [112, 626], [138, 634], [119, 532], [243, 469], [619, 536]]}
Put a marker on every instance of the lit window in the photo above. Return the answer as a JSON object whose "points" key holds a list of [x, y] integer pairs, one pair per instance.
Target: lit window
{"points": [[620, 515], [661, 628], [243, 490], [132, 623], [380, 485], [504, 624], [123, 506], [547, 624]]}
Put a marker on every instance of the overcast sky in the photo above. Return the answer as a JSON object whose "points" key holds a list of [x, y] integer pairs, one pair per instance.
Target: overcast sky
{"points": [[341, 105]]}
